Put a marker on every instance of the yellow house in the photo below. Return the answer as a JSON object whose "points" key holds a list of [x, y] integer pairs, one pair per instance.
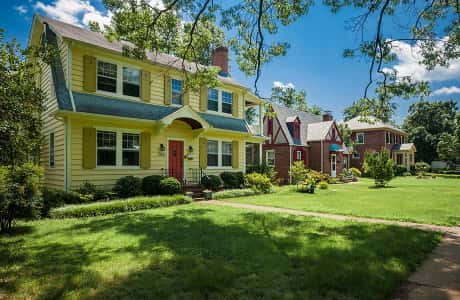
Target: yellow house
{"points": [[109, 116]]}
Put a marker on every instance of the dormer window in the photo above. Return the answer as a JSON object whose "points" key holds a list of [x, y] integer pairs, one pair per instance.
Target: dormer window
{"points": [[118, 79]]}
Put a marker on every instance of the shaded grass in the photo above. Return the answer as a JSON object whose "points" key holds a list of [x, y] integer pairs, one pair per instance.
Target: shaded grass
{"points": [[191, 252], [430, 201]]}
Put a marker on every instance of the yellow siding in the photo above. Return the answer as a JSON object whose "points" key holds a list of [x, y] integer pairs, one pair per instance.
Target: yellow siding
{"points": [[54, 177], [157, 77]]}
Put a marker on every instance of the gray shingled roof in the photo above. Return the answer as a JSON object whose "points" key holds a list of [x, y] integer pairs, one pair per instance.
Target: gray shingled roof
{"points": [[373, 123], [311, 126], [76, 33]]}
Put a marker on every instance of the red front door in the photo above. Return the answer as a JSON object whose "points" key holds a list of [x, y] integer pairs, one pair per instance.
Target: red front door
{"points": [[176, 159]]}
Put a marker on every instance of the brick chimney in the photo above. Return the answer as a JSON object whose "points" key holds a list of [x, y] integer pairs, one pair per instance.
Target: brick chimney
{"points": [[220, 59], [327, 116]]}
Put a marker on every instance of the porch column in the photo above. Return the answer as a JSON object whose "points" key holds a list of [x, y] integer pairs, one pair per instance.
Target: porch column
{"points": [[260, 153], [261, 120]]}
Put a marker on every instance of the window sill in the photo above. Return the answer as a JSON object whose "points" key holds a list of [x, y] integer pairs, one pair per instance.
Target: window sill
{"points": [[118, 167], [117, 95]]}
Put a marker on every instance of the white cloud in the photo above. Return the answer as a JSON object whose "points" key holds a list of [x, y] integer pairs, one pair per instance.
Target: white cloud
{"points": [[279, 84], [76, 12], [21, 9], [447, 90], [409, 57]]}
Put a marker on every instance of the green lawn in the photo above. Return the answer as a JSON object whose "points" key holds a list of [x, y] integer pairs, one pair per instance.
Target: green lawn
{"points": [[196, 252], [431, 201]]}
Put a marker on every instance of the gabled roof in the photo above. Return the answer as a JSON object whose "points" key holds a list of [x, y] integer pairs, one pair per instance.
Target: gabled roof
{"points": [[372, 123], [318, 131], [79, 34]]}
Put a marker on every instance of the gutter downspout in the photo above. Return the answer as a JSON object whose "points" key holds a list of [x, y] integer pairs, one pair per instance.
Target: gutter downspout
{"points": [[322, 156], [290, 162]]}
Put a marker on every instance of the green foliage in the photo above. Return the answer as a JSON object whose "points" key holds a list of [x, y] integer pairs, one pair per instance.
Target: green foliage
{"points": [[298, 172], [356, 172], [20, 188], [90, 192], [263, 169], [345, 133], [234, 193], [258, 182], [286, 95], [422, 168], [151, 184], [448, 147], [53, 198], [400, 170], [211, 182], [426, 123], [170, 186], [306, 187], [232, 180], [323, 185], [128, 186], [117, 206], [380, 166]]}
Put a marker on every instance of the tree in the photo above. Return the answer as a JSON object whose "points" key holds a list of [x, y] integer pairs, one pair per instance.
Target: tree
{"points": [[379, 166], [448, 147], [288, 96], [345, 133], [298, 172], [426, 123]]}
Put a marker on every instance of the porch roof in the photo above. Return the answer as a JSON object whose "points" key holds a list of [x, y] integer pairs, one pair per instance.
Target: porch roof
{"points": [[404, 147]]}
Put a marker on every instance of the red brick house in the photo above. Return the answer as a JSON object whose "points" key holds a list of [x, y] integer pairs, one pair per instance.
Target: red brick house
{"points": [[300, 136], [373, 135]]}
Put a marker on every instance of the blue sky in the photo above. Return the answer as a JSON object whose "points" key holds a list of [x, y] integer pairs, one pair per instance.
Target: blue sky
{"points": [[314, 61]]}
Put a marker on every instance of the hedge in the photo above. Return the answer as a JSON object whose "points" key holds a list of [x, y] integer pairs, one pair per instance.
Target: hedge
{"points": [[117, 206], [234, 193]]}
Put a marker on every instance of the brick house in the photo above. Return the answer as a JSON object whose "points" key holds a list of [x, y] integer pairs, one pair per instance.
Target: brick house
{"points": [[300, 136], [374, 135]]}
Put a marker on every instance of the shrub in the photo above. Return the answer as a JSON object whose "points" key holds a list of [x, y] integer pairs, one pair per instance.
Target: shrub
{"points": [[170, 186], [263, 169], [211, 182], [20, 193], [306, 188], [117, 206], [407, 174], [53, 198], [298, 172], [258, 182], [421, 168], [128, 186], [380, 166], [356, 172], [151, 184], [90, 192], [400, 169], [234, 193], [232, 180], [323, 185]]}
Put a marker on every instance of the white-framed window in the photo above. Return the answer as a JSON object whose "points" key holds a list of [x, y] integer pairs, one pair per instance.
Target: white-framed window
{"points": [[52, 150], [227, 100], [130, 150], [226, 154], [107, 74], [176, 91], [131, 82], [360, 138], [106, 148], [220, 101], [388, 138], [213, 99], [298, 155], [220, 153], [356, 155], [270, 158]]}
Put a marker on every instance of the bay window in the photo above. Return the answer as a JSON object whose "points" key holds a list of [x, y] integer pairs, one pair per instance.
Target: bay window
{"points": [[130, 151], [106, 148]]}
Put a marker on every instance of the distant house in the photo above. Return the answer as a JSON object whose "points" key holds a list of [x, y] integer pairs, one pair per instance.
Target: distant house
{"points": [[109, 116], [300, 136], [371, 134]]}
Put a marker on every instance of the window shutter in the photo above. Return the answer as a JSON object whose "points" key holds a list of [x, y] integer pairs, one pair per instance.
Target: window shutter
{"points": [[89, 148], [145, 86], [235, 103], [145, 150], [186, 98], [204, 98], [167, 90], [89, 73], [203, 153], [235, 155]]}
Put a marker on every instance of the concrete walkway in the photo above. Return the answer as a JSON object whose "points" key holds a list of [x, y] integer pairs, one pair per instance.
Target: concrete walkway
{"points": [[438, 278]]}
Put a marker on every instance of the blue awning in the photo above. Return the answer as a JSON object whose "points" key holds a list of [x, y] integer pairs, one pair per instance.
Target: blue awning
{"points": [[335, 147]]}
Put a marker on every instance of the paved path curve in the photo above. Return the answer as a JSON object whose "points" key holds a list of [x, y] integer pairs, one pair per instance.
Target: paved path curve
{"points": [[438, 278]]}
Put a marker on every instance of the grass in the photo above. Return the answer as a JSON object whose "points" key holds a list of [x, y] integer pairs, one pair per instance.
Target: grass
{"points": [[430, 201], [196, 252]]}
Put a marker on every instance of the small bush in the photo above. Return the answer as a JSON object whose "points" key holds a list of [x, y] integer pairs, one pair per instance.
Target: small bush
{"points": [[117, 206], [258, 182], [211, 182], [170, 186], [128, 186], [323, 185], [92, 193], [151, 184], [53, 198], [233, 180], [263, 169], [421, 168], [356, 172], [306, 188], [380, 166], [400, 169], [298, 172], [234, 193], [407, 174]]}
